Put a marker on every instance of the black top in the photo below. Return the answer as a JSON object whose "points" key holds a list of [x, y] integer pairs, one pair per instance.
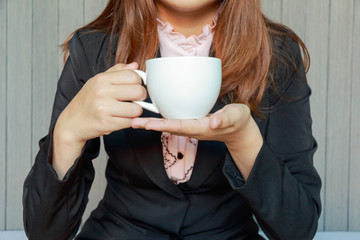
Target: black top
{"points": [[141, 202]]}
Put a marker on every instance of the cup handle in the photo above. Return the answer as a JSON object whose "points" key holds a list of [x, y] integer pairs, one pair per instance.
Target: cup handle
{"points": [[148, 106]]}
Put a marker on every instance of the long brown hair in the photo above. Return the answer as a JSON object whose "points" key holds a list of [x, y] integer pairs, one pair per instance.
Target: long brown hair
{"points": [[243, 40]]}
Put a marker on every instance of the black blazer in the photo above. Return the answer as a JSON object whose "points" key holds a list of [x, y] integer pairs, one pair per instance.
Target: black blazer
{"points": [[140, 202]]}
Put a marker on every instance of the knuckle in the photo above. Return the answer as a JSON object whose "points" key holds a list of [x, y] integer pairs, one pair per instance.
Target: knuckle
{"points": [[120, 65], [99, 80], [243, 110], [247, 109], [100, 77], [228, 121], [100, 93], [100, 110]]}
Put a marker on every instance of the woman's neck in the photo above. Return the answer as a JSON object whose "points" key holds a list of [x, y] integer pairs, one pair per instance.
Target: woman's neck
{"points": [[187, 22]]}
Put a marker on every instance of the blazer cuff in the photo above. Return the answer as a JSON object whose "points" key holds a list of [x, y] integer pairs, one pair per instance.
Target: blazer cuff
{"points": [[53, 177], [262, 164]]}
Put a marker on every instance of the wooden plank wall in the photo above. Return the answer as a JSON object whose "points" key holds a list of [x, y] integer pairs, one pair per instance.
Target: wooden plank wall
{"points": [[317, 28], [3, 100], [338, 114], [19, 106], [30, 63], [354, 166]]}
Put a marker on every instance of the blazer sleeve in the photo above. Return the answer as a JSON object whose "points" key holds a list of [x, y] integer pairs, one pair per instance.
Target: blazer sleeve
{"points": [[52, 208], [283, 188]]}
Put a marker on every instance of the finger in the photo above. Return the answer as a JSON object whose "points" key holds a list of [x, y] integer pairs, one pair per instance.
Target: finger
{"points": [[117, 123], [123, 77], [125, 109], [132, 66], [215, 121], [179, 127], [123, 66], [140, 122], [228, 117], [134, 92], [219, 111]]}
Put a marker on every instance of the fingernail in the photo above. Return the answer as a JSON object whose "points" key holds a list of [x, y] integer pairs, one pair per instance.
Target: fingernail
{"points": [[216, 122]]}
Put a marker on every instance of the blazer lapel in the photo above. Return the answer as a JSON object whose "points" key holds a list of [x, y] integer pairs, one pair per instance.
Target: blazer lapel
{"points": [[208, 157], [151, 157]]}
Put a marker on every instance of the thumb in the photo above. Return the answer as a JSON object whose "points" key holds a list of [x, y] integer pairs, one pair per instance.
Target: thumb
{"points": [[123, 66]]}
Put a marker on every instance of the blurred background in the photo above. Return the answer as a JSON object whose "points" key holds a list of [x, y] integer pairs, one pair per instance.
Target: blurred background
{"points": [[31, 62]]}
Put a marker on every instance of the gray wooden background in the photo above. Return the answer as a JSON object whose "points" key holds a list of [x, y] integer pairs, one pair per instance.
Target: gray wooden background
{"points": [[30, 63]]}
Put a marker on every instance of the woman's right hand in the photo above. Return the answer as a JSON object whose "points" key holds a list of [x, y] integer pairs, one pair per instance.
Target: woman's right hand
{"points": [[99, 108]]}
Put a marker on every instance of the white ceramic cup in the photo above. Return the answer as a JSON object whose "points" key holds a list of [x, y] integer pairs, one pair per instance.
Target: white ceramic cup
{"points": [[182, 87]]}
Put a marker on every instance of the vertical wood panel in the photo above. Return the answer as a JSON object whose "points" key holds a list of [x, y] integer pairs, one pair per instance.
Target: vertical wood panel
{"points": [[3, 36], [294, 16], [354, 190], [71, 17], [92, 9], [337, 169], [18, 107], [272, 9], [317, 41], [44, 67]]}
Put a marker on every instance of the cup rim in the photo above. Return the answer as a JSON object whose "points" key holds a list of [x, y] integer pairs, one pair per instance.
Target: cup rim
{"points": [[178, 57]]}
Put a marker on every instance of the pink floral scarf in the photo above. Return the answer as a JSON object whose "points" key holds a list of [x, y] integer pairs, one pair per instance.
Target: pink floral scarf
{"points": [[179, 152]]}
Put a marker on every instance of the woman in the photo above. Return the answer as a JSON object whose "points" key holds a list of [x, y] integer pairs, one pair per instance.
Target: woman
{"points": [[252, 155]]}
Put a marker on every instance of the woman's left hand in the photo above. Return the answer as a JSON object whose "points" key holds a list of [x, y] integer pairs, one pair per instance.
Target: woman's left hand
{"points": [[232, 125], [224, 125]]}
